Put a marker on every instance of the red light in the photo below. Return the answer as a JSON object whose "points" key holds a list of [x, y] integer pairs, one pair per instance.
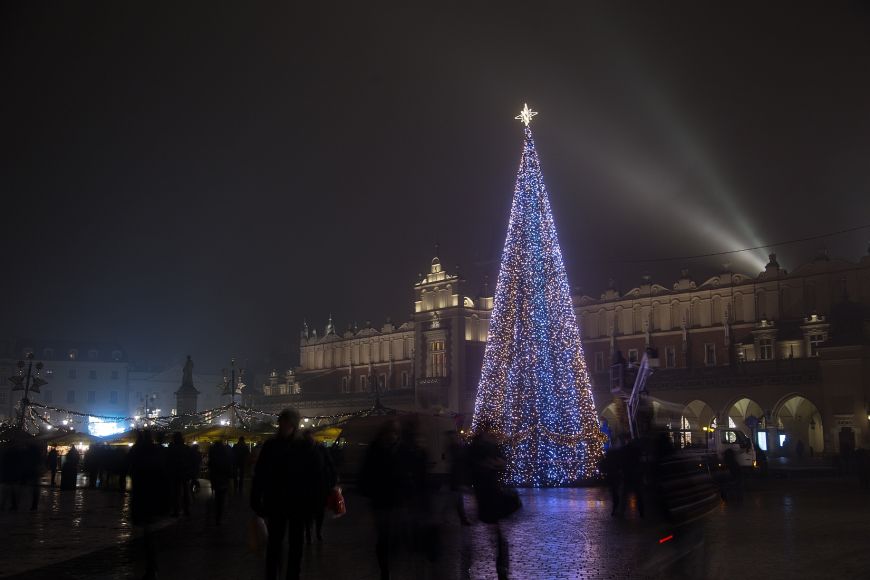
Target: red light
{"points": [[666, 539]]}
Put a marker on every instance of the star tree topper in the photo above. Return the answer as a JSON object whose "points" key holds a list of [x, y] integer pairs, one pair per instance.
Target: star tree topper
{"points": [[526, 115]]}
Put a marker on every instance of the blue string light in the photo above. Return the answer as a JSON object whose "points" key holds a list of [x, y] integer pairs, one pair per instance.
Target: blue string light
{"points": [[534, 389]]}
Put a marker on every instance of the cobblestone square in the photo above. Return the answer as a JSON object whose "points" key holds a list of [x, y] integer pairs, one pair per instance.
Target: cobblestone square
{"points": [[782, 528]]}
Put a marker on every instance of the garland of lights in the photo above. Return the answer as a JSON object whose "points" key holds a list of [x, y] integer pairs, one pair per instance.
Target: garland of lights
{"points": [[535, 391]]}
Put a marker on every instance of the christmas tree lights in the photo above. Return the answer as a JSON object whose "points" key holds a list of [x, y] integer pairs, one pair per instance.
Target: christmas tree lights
{"points": [[534, 389]]}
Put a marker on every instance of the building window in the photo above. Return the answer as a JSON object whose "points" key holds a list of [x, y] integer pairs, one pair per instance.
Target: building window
{"points": [[344, 383], [741, 354], [48, 354], [816, 341], [670, 357], [405, 384], [363, 383], [72, 373], [3, 397], [93, 355], [382, 382], [710, 354], [92, 396], [632, 356], [92, 375], [70, 396], [46, 396], [765, 346], [599, 362], [115, 375], [437, 358], [116, 355], [73, 354], [113, 397], [49, 372]]}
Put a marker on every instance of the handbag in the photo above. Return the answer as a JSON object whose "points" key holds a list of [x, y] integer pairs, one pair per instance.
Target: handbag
{"points": [[335, 502]]}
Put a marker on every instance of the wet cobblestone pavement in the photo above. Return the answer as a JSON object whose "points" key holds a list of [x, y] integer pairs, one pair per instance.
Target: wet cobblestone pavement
{"points": [[781, 529]]}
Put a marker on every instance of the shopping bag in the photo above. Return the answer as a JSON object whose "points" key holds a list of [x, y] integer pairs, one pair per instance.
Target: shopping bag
{"points": [[335, 503], [257, 534]]}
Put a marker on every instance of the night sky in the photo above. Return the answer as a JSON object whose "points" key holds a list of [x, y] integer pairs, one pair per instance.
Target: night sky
{"points": [[197, 178]]}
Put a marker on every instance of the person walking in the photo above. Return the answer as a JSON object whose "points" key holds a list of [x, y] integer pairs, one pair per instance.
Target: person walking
{"points": [[493, 502], [178, 459], [284, 488], [150, 494], [379, 481], [327, 480], [52, 461], [611, 467], [69, 472], [241, 455], [220, 471]]}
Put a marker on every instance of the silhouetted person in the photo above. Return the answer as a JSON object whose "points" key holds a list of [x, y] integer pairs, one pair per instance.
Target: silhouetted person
{"points": [[52, 461], [31, 470], [327, 479], [493, 502], [458, 475], [92, 460], [220, 471], [69, 471], [284, 488], [733, 467], [611, 468], [799, 449], [379, 481], [241, 455], [150, 493], [862, 465], [178, 460], [10, 474], [632, 474], [194, 465]]}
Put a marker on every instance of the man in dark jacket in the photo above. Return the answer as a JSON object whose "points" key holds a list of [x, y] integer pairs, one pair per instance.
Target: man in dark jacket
{"points": [[150, 493], [241, 454], [286, 484]]}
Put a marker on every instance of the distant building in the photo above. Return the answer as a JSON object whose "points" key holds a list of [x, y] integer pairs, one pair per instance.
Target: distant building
{"points": [[785, 353], [87, 377]]}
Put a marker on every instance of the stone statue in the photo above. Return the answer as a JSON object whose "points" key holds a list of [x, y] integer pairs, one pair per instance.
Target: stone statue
{"points": [[187, 376]]}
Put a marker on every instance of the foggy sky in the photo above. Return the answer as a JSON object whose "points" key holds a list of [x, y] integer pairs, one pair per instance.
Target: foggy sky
{"points": [[195, 178]]}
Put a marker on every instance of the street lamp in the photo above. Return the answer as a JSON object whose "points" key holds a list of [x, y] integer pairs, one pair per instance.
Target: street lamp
{"points": [[231, 386], [27, 382]]}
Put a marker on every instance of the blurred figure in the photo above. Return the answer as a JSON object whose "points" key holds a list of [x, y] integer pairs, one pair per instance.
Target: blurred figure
{"points": [[458, 475], [327, 479], [220, 471], [150, 493], [862, 465], [799, 449], [736, 483], [52, 462], [379, 481], [10, 474], [241, 453], [31, 470], [417, 525], [632, 474], [493, 502], [178, 459], [611, 468], [92, 461], [194, 466], [284, 488], [69, 471]]}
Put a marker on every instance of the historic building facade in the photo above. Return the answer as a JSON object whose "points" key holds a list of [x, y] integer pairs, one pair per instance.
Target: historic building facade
{"points": [[785, 353]]}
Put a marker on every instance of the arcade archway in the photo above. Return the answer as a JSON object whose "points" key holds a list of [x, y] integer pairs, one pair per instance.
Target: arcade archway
{"points": [[696, 418], [800, 427]]}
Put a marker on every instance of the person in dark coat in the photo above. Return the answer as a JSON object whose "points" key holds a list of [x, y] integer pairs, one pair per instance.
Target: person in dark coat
{"points": [[178, 458], [283, 491], [52, 462], [10, 474], [632, 474], [241, 455], [379, 480], [69, 472], [611, 467], [327, 480], [194, 466], [487, 466], [150, 493], [31, 470], [220, 471]]}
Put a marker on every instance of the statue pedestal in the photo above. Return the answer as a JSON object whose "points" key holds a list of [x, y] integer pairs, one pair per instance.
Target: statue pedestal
{"points": [[185, 399]]}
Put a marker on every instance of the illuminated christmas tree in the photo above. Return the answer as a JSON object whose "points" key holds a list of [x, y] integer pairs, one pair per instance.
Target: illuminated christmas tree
{"points": [[534, 389]]}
